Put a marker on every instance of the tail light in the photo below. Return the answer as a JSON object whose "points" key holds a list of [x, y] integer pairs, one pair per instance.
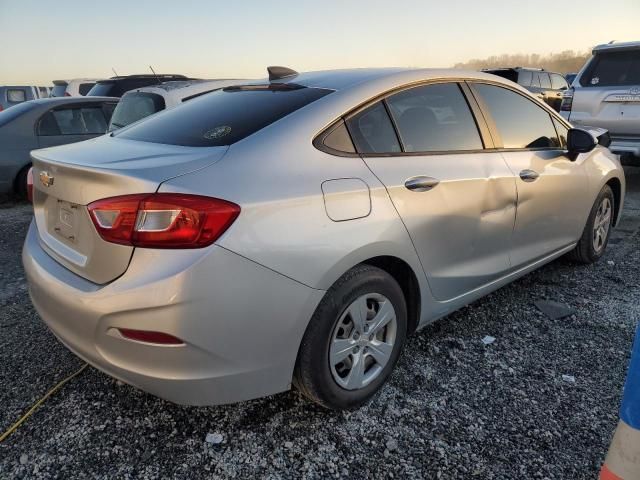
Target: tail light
{"points": [[567, 101], [30, 184], [162, 220], [67, 94]]}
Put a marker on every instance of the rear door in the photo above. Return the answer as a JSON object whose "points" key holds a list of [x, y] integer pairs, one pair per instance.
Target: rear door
{"points": [[72, 123], [456, 199], [552, 187], [608, 93]]}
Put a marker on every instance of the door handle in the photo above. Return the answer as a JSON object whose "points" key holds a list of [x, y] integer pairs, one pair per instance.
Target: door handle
{"points": [[529, 175], [421, 183]]}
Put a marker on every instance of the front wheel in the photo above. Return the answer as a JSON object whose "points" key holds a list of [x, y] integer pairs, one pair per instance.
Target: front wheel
{"points": [[353, 340], [595, 236]]}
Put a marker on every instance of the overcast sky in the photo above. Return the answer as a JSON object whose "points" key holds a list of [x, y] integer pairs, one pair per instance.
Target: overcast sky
{"points": [[42, 41]]}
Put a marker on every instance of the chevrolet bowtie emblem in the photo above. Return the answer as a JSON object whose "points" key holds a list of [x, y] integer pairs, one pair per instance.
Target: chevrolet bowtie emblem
{"points": [[46, 179]]}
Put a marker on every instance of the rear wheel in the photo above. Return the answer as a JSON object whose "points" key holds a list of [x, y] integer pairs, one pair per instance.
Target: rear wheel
{"points": [[353, 340], [595, 236]]}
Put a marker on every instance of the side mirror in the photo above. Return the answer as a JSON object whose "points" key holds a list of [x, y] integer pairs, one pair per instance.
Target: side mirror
{"points": [[580, 141]]}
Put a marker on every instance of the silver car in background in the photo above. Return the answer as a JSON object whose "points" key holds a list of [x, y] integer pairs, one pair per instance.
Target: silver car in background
{"points": [[606, 94], [296, 230]]}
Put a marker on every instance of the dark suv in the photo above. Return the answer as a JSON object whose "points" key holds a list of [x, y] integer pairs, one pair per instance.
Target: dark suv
{"points": [[548, 86], [118, 86]]}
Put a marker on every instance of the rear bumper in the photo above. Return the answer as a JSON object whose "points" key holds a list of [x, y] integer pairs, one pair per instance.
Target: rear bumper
{"points": [[241, 323], [625, 145]]}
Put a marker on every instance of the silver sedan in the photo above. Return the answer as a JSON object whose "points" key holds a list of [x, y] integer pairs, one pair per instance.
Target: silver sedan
{"points": [[297, 230]]}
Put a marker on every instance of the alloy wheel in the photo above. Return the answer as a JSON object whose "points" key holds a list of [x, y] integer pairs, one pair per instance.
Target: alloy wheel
{"points": [[601, 224]]}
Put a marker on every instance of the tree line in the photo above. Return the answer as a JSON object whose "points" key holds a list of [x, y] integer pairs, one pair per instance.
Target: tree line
{"points": [[564, 62]]}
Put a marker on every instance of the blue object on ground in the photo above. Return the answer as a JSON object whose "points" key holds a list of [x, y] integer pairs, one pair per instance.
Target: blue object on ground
{"points": [[630, 411]]}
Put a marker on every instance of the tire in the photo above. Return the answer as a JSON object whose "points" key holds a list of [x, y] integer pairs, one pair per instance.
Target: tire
{"points": [[333, 330], [20, 185], [587, 250]]}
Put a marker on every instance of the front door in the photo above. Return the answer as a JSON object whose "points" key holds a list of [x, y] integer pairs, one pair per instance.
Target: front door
{"points": [[552, 187], [456, 199]]}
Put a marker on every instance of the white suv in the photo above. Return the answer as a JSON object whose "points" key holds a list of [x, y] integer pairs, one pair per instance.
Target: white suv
{"points": [[142, 102], [606, 94], [72, 88]]}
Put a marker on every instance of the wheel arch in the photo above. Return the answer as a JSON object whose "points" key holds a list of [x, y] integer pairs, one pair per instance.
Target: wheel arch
{"points": [[402, 273], [616, 187]]}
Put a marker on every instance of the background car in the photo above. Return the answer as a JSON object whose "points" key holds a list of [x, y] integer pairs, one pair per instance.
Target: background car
{"points": [[297, 229], [606, 93], [117, 86], [77, 87], [570, 77], [46, 123], [142, 102], [548, 86], [13, 95]]}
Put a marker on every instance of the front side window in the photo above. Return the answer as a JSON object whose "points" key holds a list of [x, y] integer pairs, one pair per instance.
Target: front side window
{"points": [[134, 107], [73, 121], [519, 121], [434, 118], [562, 132], [223, 117], [372, 130], [58, 90], [613, 68], [16, 95]]}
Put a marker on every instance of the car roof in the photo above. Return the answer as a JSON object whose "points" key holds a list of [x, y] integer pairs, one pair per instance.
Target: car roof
{"points": [[63, 100], [195, 85], [160, 76], [616, 46], [349, 78]]}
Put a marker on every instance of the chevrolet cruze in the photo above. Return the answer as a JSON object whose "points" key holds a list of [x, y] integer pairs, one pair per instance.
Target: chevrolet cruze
{"points": [[295, 231]]}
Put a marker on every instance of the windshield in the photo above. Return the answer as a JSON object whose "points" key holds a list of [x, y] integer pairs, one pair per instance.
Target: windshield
{"points": [[14, 112], [223, 117], [134, 107]]}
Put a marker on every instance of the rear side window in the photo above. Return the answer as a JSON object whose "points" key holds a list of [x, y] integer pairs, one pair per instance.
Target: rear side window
{"points": [[58, 90], [613, 68], [558, 82], [520, 122], [73, 121], [372, 130], [134, 107], [524, 78], [85, 87], [16, 95], [545, 81], [434, 118], [223, 117]]}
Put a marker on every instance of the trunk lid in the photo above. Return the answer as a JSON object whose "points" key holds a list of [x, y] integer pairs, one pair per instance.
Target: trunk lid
{"points": [[68, 178]]}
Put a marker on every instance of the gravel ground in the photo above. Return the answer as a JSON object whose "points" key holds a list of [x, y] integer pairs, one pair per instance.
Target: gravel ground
{"points": [[454, 408]]}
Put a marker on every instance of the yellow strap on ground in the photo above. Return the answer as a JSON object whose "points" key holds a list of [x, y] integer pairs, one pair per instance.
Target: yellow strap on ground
{"points": [[14, 427]]}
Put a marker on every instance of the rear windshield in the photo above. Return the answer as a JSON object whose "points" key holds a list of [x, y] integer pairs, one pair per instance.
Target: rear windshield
{"points": [[134, 107], [58, 91], [613, 68], [223, 117], [14, 112], [101, 89]]}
